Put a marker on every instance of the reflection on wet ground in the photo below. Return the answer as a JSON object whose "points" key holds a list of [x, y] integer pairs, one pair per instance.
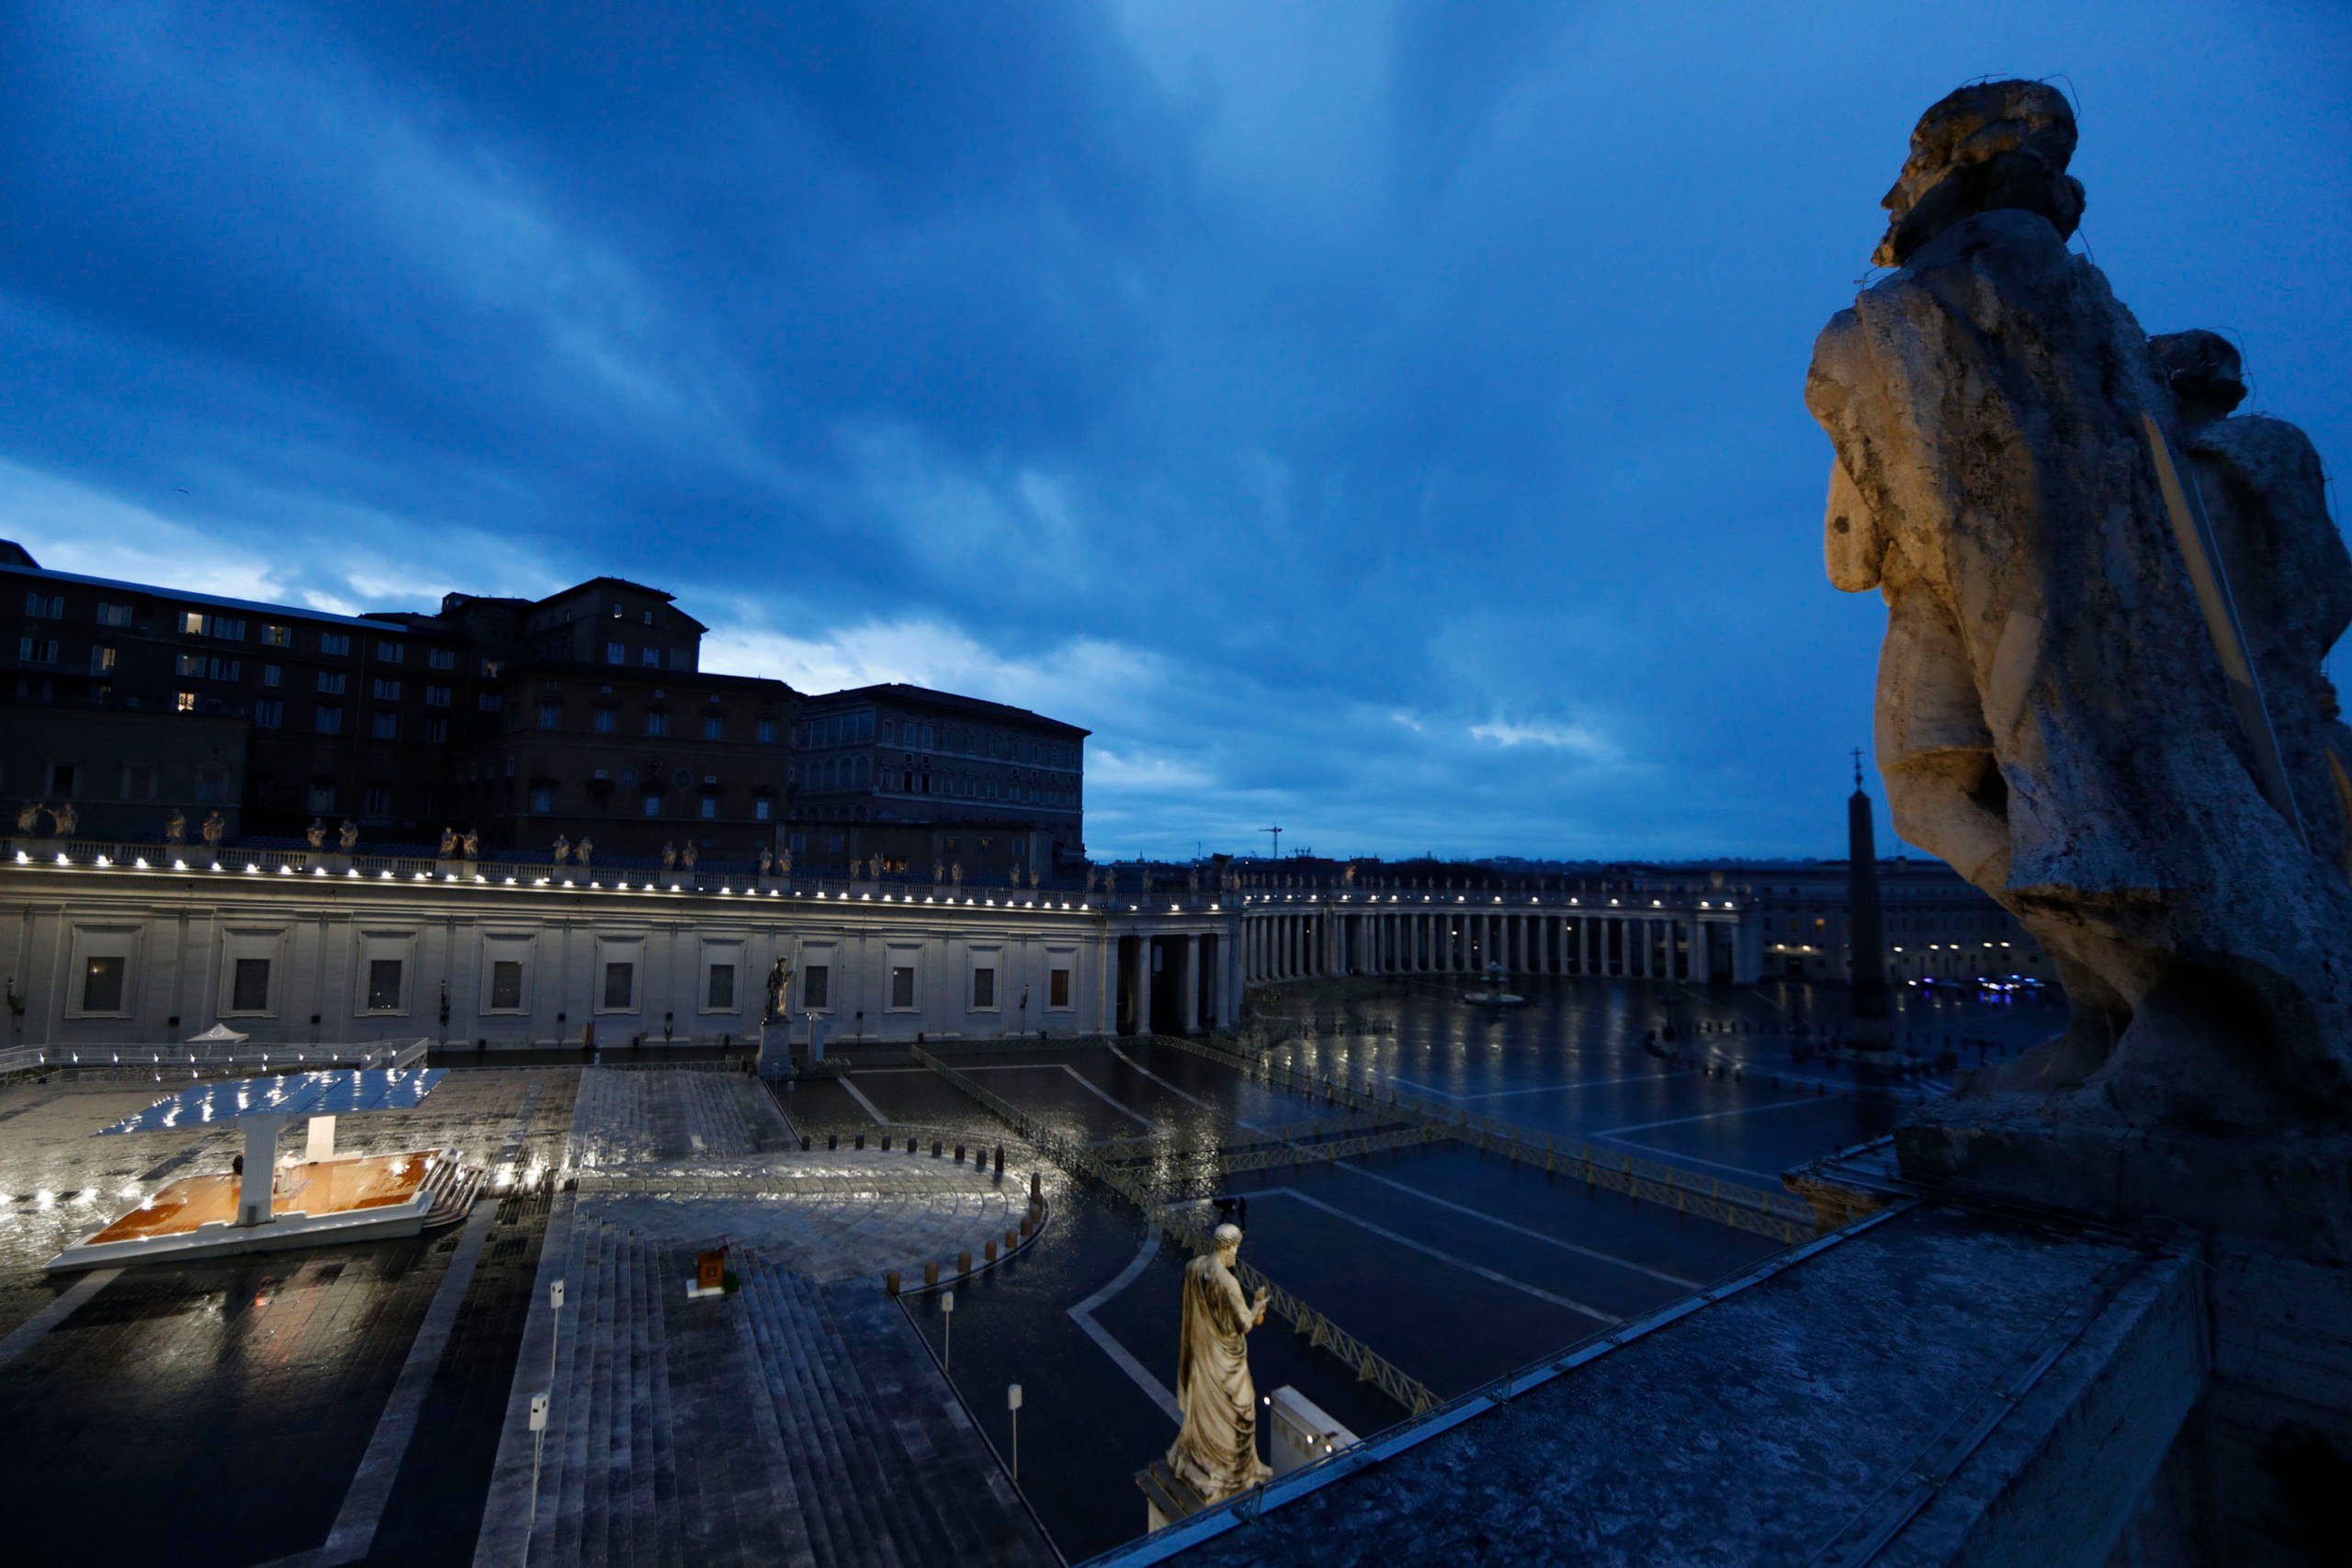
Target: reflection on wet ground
{"points": [[1456, 1265]]}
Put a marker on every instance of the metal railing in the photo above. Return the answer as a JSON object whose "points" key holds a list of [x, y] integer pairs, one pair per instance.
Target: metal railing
{"points": [[1319, 1330], [199, 1060], [1781, 1217]]}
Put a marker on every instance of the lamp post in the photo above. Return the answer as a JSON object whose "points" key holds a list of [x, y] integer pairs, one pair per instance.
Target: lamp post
{"points": [[948, 1334], [1012, 1403]]}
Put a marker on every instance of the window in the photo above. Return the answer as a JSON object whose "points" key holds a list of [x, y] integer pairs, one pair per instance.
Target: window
{"points": [[384, 985], [113, 615], [603, 721], [1057, 989], [542, 799], [333, 684], [437, 729], [653, 805], [335, 643], [550, 716], [389, 652], [386, 725], [710, 808], [650, 657], [102, 660], [713, 729], [276, 636], [767, 731], [655, 723], [720, 997], [62, 777], [37, 650], [102, 984], [437, 697], [139, 781], [506, 985], [761, 808], [616, 653], [816, 987], [902, 985], [489, 702], [377, 802], [183, 702], [620, 987], [270, 713], [441, 658], [330, 719], [249, 990], [273, 674], [983, 989], [187, 666], [386, 691]]}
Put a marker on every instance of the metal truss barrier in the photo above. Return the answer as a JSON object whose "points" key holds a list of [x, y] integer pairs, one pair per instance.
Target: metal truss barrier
{"points": [[1782, 1218], [1321, 1331]]}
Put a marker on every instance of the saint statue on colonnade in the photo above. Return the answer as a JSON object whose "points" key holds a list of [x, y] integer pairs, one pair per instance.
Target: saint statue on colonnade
{"points": [[1216, 1452]]}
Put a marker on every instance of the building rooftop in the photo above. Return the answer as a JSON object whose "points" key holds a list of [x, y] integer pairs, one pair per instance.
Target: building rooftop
{"points": [[152, 590], [924, 696]]}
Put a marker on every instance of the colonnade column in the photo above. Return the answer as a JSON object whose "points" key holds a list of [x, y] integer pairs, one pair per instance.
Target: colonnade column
{"points": [[1190, 1015]]}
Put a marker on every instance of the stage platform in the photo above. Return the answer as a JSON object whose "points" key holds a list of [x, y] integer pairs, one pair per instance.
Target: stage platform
{"points": [[312, 1203]]}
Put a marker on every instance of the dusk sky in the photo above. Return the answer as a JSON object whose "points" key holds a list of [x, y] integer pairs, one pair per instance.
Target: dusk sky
{"points": [[1381, 420]]}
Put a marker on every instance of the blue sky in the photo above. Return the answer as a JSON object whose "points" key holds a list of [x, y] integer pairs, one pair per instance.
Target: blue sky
{"points": [[1383, 419]]}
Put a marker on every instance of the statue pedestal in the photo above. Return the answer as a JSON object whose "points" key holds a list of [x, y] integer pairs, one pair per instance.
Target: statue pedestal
{"points": [[1166, 1498], [776, 1049]]}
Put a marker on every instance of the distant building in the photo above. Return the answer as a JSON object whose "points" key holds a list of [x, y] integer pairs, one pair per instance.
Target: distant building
{"points": [[921, 778], [584, 713]]}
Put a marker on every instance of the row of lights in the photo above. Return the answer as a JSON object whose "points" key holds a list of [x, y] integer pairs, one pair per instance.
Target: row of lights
{"points": [[1461, 898], [254, 869]]}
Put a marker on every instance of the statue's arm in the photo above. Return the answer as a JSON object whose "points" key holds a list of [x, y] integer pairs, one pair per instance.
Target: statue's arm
{"points": [[1854, 545]]}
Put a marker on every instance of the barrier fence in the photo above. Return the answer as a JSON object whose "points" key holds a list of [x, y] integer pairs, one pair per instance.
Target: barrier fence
{"points": [[1781, 1217], [197, 1061], [1319, 1330]]}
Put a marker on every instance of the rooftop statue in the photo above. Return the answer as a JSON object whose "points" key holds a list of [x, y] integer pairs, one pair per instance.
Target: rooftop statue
{"points": [[1215, 1450], [2056, 715]]}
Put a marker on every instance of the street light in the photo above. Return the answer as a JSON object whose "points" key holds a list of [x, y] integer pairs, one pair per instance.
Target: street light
{"points": [[947, 1349]]}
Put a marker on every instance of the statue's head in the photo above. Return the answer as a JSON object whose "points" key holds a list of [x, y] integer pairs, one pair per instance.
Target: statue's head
{"points": [[1995, 145], [2204, 370], [1229, 1241]]}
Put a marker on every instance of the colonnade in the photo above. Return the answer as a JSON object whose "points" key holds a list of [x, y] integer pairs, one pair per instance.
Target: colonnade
{"points": [[1347, 938]]}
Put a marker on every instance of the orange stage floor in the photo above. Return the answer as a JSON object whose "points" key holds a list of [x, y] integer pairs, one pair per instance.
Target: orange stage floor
{"points": [[329, 1187]]}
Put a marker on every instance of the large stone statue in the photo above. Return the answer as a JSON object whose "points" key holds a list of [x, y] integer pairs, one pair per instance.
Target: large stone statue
{"points": [[316, 834], [585, 853], [562, 849], [2052, 712], [214, 825], [67, 819], [29, 816], [1216, 1452], [691, 853], [348, 836], [669, 856], [767, 860], [448, 842], [471, 843], [779, 989], [176, 827]]}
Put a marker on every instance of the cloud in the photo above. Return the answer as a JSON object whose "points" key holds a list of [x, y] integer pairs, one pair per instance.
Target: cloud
{"points": [[73, 527], [1578, 738]]}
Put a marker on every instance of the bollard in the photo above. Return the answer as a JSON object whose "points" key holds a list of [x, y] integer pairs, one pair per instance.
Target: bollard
{"points": [[911, 1145], [804, 1143], [832, 1139], [959, 1154], [991, 1254], [929, 1275], [999, 1159], [934, 1148], [1036, 1184], [890, 1282], [963, 1263], [1011, 1241], [861, 1140], [1028, 1222]]}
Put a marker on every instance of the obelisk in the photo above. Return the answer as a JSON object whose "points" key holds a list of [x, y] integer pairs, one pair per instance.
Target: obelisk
{"points": [[1865, 924]]}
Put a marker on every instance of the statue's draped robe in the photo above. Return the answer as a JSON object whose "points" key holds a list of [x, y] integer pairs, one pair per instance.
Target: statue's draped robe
{"points": [[2052, 717], [1215, 1453]]}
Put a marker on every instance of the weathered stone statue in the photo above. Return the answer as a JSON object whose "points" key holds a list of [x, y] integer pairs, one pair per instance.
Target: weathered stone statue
{"points": [[448, 842], [691, 853], [586, 852], [669, 856], [29, 816], [214, 825], [1192, 879], [174, 827], [955, 874], [66, 818], [1216, 1452], [938, 873], [471, 843], [2052, 715], [348, 837], [562, 849], [1110, 881], [779, 989], [1036, 879], [316, 834], [1089, 882], [784, 864], [767, 860]]}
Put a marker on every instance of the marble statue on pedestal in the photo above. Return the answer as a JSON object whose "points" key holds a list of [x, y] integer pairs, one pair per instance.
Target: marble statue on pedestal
{"points": [[316, 834], [1216, 1452], [779, 989], [586, 851], [955, 874], [471, 843], [66, 818], [691, 853], [669, 856], [2150, 787], [768, 860], [214, 825], [176, 827], [348, 836], [29, 816], [448, 842], [562, 849]]}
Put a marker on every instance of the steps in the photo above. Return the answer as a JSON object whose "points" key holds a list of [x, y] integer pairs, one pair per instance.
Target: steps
{"points": [[454, 1187]]}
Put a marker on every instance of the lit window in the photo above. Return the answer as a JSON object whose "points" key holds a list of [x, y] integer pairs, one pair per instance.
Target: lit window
{"points": [[276, 636], [183, 702]]}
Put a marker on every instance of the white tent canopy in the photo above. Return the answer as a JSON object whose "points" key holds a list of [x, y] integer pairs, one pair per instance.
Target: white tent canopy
{"points": [[219, 1034]]}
